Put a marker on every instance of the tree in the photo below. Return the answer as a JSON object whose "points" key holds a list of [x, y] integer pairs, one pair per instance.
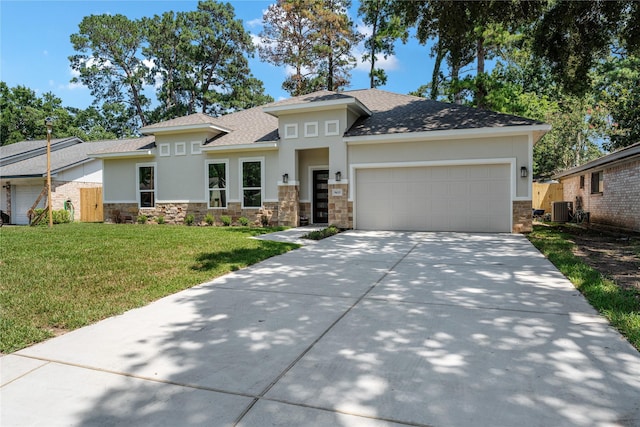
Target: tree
{"points": [[313, 37], [337, 38], [110, 62], [288, 38], [386, 28], [572, 36], [617, 83]]}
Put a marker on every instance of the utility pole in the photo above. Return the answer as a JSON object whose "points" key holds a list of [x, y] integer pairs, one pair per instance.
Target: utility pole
{"points": [[49, 123]]}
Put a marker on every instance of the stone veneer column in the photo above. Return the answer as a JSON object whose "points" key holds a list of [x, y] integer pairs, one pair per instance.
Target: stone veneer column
{"points": [[339, 205], [522, 216], [288, 205]]}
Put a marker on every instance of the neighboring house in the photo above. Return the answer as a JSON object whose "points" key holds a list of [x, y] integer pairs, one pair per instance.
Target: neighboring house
{"points": [[23, 174], [608, 188], [364, 159]]}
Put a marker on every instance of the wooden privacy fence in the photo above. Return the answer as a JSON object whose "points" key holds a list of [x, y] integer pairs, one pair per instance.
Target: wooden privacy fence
{"points": [[91, 205], [545, 194]]}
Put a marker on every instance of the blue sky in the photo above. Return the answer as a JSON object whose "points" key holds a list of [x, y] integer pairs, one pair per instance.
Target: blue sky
{"points": [[35, 46]]}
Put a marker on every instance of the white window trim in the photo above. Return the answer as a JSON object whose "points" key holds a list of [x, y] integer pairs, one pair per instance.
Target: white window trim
{"points": [[206, 181], [310, 129], [164, 150], [328, 123], [242, 160], [155, 184], [181, 149], [196, 147], [291, 131]]}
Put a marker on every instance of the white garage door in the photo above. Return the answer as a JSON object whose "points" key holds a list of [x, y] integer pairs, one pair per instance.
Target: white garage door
{"points": [[435, 198], [25, 196]]}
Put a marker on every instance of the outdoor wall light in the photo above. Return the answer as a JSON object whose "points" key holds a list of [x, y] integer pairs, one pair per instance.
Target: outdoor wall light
{"points": [[338, 176], [285, 178], [523, 172]]}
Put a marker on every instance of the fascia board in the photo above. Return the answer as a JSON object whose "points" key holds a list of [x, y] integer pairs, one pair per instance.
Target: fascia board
{"points": [[124, 155], [185, 128], [278, 110], [242, 147], [446, 134]]}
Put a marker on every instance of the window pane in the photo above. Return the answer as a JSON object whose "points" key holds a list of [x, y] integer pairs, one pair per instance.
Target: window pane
{"points": [[217, 175], [146, 199], [251, 174], [252, 198], [218, 198], [146, 178]]}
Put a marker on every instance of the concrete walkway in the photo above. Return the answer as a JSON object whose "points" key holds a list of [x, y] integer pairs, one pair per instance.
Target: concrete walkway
{"points": [[362, 329]]}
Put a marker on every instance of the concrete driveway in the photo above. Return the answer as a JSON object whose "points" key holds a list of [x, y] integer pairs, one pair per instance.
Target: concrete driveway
{"points": [[362, 329]]}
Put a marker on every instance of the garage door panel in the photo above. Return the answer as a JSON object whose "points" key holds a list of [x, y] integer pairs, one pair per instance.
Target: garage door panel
{"points": [[435, 198]]}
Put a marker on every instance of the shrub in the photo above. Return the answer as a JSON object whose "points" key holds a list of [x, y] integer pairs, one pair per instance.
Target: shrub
{"points": [[209, 219], [59, 217], [322, 234], [189, 219], [226, 220], [244, 221], [160, 220], [142, 219]]}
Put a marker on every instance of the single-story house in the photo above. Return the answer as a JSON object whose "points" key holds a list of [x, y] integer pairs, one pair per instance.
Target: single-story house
{"points": [[364, 159], [23, 176], [608, 188]]}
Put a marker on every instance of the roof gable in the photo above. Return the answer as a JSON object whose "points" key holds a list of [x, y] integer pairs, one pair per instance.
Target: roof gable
{"points": [[61, 158], [625, 153], [197, 121]]}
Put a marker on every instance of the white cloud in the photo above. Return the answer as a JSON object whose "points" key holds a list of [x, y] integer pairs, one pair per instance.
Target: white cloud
{"points": [[253, 23], [73, 86]]}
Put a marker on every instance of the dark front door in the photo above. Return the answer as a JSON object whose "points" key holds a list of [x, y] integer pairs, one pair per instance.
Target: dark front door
{"points": [[320, 197]]}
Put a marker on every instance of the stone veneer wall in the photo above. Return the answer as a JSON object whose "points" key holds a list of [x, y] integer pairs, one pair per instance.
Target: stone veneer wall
{"points": [[289, 206], [619, 203], [305, 210], [175, 213], [522, 216], [340, 210]]}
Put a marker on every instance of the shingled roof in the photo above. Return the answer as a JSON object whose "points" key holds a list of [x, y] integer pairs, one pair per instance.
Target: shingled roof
{"points": [[394, 113], [61, 158], [391, 113]]}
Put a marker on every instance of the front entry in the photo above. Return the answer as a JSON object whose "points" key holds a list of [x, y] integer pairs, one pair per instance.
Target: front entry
{"points": [[320, 196]]}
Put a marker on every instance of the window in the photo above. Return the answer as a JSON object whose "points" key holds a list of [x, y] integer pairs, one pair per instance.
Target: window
{"points": [[332, 127], [147, 186], [217, 184], [311, 129], [165, 150], [181, 149], [251, 183], [291, 131], [597, 183], [581, 182]]}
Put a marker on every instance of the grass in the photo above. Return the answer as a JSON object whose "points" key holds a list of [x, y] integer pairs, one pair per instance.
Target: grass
{"points": [[75, 274], [620, 306]]}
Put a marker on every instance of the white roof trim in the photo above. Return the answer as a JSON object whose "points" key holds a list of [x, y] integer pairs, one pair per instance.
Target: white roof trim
{"points": [[184, 128], [316, 106], [446, 134], [124, 154], [241, 147]]}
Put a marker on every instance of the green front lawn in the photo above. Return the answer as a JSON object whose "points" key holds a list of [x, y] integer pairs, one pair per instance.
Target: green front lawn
{"points": [[76, 274], [620, 306]]}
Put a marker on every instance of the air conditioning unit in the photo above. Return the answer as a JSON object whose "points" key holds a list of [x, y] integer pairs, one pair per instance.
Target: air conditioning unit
{"points": [[560, 211]]}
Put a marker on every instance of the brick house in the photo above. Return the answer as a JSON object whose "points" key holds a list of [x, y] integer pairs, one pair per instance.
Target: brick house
{"points": [[364, 159], [23, 173], [608, 188]]}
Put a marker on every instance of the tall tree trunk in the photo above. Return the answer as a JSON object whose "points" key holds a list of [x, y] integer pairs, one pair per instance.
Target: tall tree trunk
{"points": [[435, 77], [481, 90], [374, 34]]}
